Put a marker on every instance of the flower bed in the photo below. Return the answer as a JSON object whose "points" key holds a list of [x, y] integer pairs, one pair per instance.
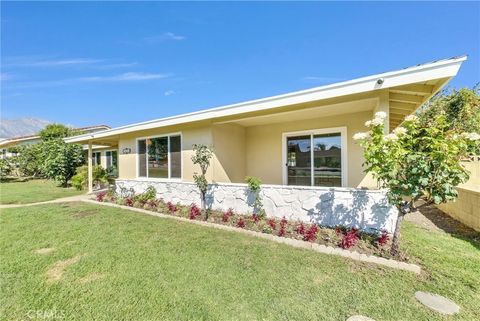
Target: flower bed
{"points": [[342, 237]]}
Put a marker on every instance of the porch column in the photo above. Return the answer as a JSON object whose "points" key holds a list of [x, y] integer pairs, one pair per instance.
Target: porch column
{"points": [[384, 105], [90, 170]]}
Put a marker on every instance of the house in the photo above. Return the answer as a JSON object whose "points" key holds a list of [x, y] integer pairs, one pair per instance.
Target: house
{"points": [[299, 144], [101, 155]]}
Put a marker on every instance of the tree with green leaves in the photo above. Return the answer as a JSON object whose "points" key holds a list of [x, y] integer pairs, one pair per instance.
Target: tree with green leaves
{"points": [[56, 131], [201, 157], [416, 162], [30, 160], [61, 160], [460, 107]]}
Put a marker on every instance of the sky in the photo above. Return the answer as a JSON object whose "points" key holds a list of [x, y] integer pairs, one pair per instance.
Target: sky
{"points": [[117, 63]]}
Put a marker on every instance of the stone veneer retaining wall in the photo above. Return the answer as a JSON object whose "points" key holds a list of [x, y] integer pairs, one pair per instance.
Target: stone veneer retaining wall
{"points": [[364, 209]]}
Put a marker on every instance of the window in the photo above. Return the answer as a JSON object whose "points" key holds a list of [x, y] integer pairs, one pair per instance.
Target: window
{"points": [[96, 156], [112, 158], [315, 158], [160, 157]]}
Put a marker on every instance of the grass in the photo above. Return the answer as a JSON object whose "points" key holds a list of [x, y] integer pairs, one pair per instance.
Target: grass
{"points": [[119, 265], [32, 191]]}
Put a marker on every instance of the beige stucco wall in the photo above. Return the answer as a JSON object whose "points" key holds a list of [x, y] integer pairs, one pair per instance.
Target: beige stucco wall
{"points": [[264, 146], [466, 208], [255, 150], [229, 148]]}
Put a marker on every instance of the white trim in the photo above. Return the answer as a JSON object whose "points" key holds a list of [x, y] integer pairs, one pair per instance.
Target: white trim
{"points": [[157, 179], [437, 70], [312, 132]]}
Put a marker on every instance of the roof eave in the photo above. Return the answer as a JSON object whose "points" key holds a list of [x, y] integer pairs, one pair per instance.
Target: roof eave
{"points": [[436, 70]]}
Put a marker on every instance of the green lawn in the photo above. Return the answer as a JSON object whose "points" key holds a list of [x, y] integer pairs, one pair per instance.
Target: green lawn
{"points": [[137, 267], [37, 190]]}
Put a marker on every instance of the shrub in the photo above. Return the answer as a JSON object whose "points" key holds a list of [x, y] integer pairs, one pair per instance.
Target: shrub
{"points": [[241, 223], [300, 229], [100, 196], [149, 194], [272, 223], [227, 215], [383, 238], [311, 233], [80, 179], [129, 201], [421, 159], [194, 212], [283, 226], [350, 238], [172, 208], [254, 185], [6, 167]]}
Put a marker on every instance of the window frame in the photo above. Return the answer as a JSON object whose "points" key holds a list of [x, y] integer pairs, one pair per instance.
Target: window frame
{"points": [[94, 157], [158, 179], [312, 133], [111, 157]]}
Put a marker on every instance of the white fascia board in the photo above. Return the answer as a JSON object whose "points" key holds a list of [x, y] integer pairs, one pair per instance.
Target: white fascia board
{"points": [[436, 70]]}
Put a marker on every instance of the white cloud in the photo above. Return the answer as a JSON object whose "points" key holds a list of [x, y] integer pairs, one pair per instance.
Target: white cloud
{"points": [[28, 62], [128, 76], [124, 77], [169, 93], [164, 37]]}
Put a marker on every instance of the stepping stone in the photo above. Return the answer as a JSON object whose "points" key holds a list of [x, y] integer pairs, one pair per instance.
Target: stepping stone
{"points": [[359, 318], [437, 303]]}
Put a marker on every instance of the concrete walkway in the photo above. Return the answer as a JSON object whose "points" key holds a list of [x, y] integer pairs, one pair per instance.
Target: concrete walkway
{"points": [[76, 198]]}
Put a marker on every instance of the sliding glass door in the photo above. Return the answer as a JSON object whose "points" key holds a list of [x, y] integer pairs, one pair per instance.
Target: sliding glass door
{"points": [[299, 161], [314, 159]]}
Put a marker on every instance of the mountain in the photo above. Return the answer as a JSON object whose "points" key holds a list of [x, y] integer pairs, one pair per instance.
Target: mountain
{"points": [[21, 126]]}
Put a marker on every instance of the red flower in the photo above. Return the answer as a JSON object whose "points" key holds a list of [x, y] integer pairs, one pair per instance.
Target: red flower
{"points": [[101, 196], [172, 207], [383, 238], [129, 201], [226, 216], [281, 232], [255, 218], [194, 211], [271, 222], [241, 223], [300, 229], [311, 233], [349, 239]]}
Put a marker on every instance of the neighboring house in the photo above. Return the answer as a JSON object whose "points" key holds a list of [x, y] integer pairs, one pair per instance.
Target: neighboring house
{"points": [[299, 144], [103, 155]]}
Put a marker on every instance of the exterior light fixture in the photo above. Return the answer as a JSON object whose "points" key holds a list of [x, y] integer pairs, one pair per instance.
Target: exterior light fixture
{"points": [[380, 81]]}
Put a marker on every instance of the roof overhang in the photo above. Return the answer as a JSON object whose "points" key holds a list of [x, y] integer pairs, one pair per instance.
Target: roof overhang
{"points": [[414, 83]]}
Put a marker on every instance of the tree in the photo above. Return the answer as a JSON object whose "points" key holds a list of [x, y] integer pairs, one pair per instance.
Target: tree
{"points": [[61, 160], [461, 108], [56, 131], [30, 160], [202, 157], [416, 162]]}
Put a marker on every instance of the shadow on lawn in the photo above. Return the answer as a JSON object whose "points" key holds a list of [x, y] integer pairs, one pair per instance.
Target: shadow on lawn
{"points": [[447, 224]]}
